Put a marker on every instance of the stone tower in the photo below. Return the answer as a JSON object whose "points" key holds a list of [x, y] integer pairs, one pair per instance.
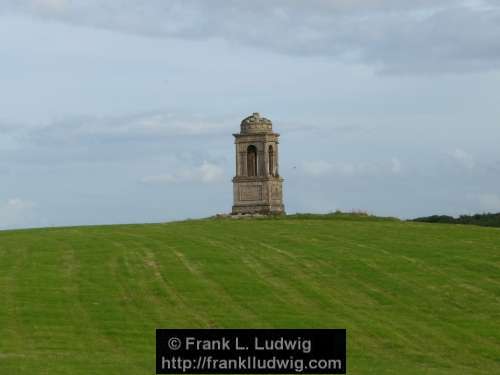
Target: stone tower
{"points": [[257, 186]]}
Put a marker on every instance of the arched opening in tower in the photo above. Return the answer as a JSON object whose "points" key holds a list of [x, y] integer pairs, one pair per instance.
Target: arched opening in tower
{"points": [[252, 161]]}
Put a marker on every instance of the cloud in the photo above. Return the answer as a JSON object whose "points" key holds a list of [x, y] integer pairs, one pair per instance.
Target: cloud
{"points": [[205, 173], [394, 36], [489, 202], [463, 158], [396, 166], [102, 139], [316, 167], [50, 5], [133, 126], [320, 168], [16, 212]]}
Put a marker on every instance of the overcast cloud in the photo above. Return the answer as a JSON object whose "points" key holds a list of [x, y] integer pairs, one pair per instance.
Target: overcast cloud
{"points": [[117, 111], [393, 36]]}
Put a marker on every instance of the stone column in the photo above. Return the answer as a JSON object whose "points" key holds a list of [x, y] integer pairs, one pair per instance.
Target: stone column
{"points": [[262, 163], [243, 163], [276, 160]]}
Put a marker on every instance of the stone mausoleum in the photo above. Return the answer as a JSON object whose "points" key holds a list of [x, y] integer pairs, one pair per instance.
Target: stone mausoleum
{"points": [[257, 186]]}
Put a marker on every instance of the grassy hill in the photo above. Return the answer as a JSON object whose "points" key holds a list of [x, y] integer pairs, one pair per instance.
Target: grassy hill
{"points": [[416, 298]]}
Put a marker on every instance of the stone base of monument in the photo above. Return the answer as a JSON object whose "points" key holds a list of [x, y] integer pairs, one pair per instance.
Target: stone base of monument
{"points": [[258, 210], [247, 215]]}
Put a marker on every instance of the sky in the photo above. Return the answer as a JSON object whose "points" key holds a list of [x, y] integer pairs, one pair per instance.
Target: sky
{"points": [[122, 111]]}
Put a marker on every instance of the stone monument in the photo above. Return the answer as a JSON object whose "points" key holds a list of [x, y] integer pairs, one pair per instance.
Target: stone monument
{"points": [[257, 186]]}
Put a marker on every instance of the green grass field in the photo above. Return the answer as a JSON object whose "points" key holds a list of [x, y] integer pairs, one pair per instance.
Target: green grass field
{"points": [[415, 298]]}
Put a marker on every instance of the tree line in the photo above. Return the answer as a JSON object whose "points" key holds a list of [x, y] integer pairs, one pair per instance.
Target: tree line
{"points": [[486, 220]]}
